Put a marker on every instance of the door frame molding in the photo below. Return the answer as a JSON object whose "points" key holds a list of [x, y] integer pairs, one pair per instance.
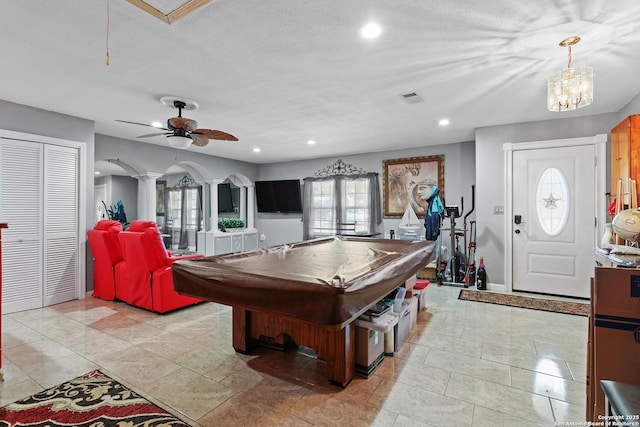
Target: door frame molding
{"points": [[82, 194], [600, 144]]}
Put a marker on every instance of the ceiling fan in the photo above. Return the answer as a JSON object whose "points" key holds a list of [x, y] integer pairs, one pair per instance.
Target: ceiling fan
{"points": [[182, 131]]}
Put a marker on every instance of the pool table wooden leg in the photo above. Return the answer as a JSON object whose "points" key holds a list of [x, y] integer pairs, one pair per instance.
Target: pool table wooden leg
{"points": [[242, 341], [341, 353]]}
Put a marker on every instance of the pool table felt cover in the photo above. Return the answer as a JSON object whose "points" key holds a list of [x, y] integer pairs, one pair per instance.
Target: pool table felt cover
{"points": [[327, 281]]}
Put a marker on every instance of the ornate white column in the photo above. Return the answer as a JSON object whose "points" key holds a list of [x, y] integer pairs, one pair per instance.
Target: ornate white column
{"points": [[243, 206], [147, 195], [213, 204], [251, 199]]}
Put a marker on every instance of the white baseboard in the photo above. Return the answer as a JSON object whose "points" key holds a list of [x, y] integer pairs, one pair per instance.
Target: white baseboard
{"points": [[496, 287]]}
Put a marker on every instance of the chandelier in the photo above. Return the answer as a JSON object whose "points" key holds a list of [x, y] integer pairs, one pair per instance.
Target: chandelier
{"points": [[571, 88]]}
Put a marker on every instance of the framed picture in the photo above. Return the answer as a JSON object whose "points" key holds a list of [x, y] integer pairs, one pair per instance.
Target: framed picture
{"points": [[160, 188], [409, 182]]}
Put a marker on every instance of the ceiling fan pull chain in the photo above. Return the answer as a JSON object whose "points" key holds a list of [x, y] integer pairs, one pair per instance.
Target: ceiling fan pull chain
{"points": [[107, 37]]}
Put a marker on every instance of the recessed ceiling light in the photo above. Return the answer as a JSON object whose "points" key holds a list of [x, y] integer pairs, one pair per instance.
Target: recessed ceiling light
{"points": [[256, 150], [444, 122], [156, 124], [370, 31], [96, 173], [311, 142]]}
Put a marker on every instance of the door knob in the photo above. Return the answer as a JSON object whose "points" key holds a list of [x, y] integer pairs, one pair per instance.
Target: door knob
{"points": [[517, 231]]}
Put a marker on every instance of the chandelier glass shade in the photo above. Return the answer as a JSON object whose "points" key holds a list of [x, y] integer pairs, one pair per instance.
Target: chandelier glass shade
{"points": [[572, 87], [181, 142]]}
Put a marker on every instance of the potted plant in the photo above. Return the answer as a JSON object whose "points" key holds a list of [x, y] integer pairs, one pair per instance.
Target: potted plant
{"points": [[230, 223]]}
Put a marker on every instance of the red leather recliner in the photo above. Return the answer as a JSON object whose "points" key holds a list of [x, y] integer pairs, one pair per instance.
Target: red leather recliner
{"points": [[148, 282], [107, 258]]}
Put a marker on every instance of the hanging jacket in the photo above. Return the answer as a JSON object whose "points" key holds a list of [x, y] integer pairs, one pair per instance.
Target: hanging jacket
{"points": [[433, 215]]}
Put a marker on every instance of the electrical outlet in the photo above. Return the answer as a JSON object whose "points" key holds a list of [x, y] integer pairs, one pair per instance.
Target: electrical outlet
{"points": [[498, 210]]}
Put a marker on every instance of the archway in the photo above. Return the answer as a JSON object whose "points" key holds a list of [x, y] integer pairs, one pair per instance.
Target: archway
{"points": [[115, 180]]}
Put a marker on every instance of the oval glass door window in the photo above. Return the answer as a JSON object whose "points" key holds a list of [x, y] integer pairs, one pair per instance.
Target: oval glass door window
{"points": [[552, 201]]}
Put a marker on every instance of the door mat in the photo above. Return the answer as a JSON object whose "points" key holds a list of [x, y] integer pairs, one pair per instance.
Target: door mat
{"points": [[566, 307], [93, 399]]}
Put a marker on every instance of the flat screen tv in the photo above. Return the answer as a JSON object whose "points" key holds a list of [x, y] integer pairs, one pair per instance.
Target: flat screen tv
{"points": [[281, 196], [225, 200]]}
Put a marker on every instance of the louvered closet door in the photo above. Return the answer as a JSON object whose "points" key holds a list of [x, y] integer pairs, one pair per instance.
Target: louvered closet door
{"points": [[21, 206], [61, 281]]}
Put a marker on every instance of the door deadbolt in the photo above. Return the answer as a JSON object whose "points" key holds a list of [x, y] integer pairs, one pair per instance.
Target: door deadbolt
{"points": [[517, 219]]}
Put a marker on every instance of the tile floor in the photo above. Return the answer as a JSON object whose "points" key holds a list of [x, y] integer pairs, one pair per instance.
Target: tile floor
{"points": [[466, 364]]}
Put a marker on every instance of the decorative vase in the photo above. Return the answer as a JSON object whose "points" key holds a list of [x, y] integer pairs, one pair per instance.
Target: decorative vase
{"points": [[607, 237]]}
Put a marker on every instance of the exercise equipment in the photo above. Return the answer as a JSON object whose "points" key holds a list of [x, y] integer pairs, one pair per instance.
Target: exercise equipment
{"points": [[470, 274], [454, 272]]}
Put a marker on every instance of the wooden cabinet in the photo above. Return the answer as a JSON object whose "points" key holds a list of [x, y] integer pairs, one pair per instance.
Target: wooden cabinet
{"points": [[625, 156], [2, 225], [613, 351]]}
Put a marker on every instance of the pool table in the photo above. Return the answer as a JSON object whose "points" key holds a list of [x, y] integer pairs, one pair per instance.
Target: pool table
{"points": [[309, 292]]}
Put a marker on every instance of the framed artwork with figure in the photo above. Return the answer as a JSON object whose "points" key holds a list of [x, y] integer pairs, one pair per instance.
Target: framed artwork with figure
{"points": [[409, 182]]}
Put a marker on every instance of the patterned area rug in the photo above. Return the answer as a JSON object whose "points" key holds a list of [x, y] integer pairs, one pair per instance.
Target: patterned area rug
{"points": [[567, 307], [91, 400]]}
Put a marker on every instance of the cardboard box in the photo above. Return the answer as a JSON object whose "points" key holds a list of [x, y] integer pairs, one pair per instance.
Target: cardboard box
{"points": [[615, 340], [369, 350], [428, 273]]}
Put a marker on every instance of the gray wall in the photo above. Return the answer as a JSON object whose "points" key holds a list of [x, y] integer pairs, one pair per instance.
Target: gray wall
{"points": [[490, 175], [459, 175], [121, 188], [126, 189], [633, 107]]}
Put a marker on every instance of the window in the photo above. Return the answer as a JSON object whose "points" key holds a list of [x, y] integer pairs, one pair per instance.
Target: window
{"points": [[356, 206], [342, 205], [183, 213], [324, 208], [192, 209], [174, 209], [552, 201]]}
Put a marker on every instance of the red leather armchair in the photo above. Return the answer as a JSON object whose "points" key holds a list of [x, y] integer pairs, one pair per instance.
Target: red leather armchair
{"points": [[148, 281], [107, 258]]}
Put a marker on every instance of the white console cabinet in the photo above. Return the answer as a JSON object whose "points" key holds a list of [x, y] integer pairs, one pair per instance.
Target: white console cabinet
{"points": [[219, 242]]}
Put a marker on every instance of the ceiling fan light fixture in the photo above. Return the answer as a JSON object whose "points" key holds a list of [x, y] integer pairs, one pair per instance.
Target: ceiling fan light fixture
{"points": [[572, 87], [180, 142]]}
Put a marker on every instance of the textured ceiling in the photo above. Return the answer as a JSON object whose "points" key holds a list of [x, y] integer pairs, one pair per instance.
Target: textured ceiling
{"points": [[277, 73]]}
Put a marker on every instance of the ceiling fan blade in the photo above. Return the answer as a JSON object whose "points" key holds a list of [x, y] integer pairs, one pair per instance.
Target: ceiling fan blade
{"points": [[215, 134], [183, 123], [199, 140], [141, 124], [149, 135]]}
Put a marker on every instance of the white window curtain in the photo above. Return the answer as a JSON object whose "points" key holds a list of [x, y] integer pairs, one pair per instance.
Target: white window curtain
{"points": [[342, 204]]}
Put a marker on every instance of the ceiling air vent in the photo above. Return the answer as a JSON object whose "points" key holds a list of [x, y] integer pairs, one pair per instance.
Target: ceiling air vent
{"points": [[412, 98]]}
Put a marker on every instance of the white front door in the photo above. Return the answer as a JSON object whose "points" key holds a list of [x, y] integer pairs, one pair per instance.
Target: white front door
{"points": [[554, 219]]}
